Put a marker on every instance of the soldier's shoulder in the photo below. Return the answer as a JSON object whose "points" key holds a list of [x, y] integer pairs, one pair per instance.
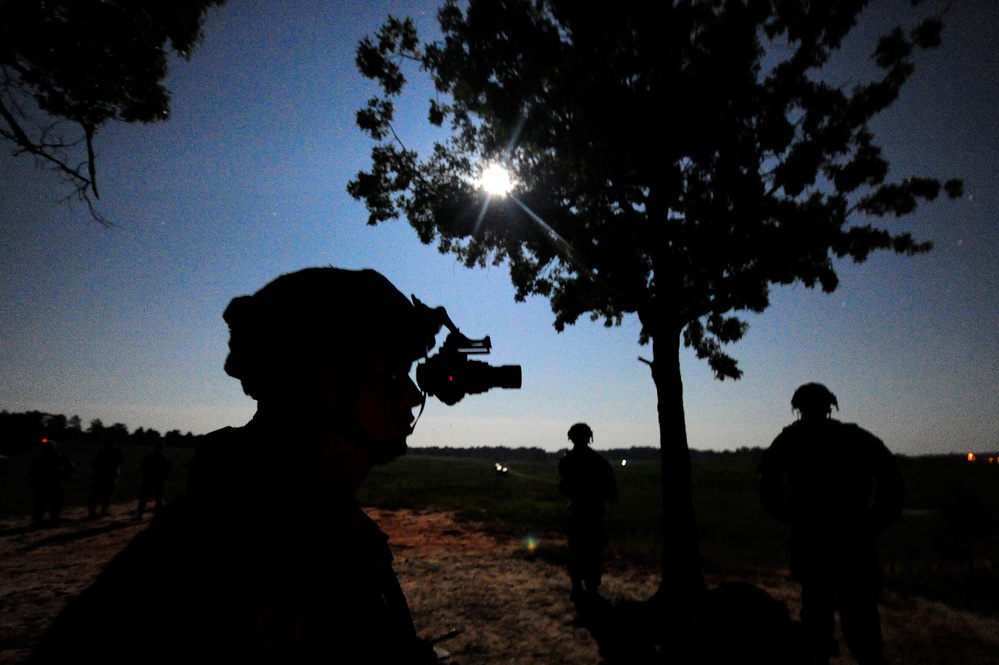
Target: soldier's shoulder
{"points": [[221, 436], [594, 453], [791, 429], [574, 455], [785, 443], [855, 431], [215, 455], [224, 441], [789, 433]]}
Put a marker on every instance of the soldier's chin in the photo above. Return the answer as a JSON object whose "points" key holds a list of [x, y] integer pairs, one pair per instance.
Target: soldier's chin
{"points": [[387, 452]]}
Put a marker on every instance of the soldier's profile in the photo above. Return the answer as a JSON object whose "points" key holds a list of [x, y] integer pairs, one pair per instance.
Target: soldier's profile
{"points": [[268, 558]]}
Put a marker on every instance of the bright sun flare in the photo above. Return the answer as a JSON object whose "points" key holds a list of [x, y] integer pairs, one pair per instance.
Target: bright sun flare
{"points": [[496, 180]]}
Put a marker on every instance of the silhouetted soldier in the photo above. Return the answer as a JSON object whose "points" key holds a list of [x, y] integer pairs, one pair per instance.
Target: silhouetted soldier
{"points": [[269, 558], [588, 480], [838, 487], [156, 468], [4, 470], [107, 465], [47, 475]]}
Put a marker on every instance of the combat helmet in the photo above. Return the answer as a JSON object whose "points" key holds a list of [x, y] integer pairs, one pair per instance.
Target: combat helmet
{"points": [[813, 396], [320, 317], [580, 433]]}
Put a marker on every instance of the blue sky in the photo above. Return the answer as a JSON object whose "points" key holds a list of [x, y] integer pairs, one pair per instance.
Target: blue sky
{"points": [[246, 181]]}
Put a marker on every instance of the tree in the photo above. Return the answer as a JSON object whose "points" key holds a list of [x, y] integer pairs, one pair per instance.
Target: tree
{"points": [[56, 425], [118, 432], [145, 437], [685, 157], [21, 432], [67, 67], [96, 430]]}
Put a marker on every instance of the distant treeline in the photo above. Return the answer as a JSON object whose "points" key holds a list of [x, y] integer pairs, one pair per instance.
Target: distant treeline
{"points": [[505, 454], [21, 432]]}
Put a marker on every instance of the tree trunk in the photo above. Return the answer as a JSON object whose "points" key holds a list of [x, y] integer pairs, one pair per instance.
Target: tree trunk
{"points": [[682, 579]]}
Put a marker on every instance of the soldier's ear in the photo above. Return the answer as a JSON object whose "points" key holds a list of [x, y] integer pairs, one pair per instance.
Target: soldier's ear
{"points": [[334, 388]]}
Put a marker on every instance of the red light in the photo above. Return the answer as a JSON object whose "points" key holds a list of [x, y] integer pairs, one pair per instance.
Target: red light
{"points": [[450, 379], [45, 440]]}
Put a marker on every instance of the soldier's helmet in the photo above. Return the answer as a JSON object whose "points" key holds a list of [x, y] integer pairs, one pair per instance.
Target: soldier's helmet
{"points": [[813, 397], [326, 318], [580, 433]]}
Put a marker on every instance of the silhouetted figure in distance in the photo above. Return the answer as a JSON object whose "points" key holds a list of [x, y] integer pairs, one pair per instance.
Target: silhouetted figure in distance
{"points": [[156, 467], [4, 468], [107, 466], [588, 480], [268, 558], [47, 476], [838, 487]]}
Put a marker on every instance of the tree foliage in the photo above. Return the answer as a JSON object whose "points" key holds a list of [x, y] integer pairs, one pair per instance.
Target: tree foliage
{"points": [[67, 67], [673, 160], [690, 152]]}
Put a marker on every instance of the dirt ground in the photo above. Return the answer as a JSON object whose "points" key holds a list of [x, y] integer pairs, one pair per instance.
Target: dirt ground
{"points": [[509, 603]]}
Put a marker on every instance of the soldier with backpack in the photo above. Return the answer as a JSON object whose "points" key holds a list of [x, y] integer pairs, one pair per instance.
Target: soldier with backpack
{"points": [[838, 487]]}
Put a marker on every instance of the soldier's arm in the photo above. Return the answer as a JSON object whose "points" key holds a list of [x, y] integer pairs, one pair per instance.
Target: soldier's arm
{"points": [[889, 493], [612, 493], [771, 471], [564, 482]]}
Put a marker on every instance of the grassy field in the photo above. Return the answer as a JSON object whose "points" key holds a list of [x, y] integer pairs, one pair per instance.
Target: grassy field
{"points": [[946, 546]]}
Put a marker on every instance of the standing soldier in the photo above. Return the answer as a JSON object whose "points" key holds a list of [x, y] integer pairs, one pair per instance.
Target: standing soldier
{"points": [[47, 475], [156, 468], [107, 465], [588, 480], [838, 488]]}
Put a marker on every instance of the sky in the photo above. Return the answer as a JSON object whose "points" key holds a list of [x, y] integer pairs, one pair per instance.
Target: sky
{"points": [[247, 179]]}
